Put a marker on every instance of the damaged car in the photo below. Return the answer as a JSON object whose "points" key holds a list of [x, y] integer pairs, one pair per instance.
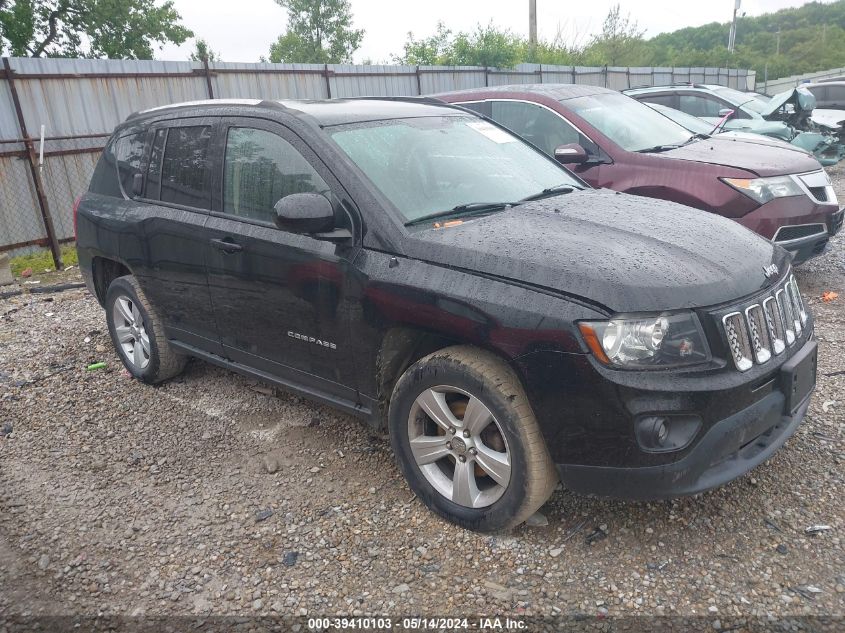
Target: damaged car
{"points": [[786, 116], [703, 128], [830, 106]]}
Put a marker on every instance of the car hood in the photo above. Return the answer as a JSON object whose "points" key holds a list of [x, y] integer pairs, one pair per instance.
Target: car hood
{"points": [[801, 98], [626, 253], [752, 157], [757, 139], [834, 119]]}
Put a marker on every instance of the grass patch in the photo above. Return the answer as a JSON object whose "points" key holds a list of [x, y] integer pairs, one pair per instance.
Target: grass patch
{"points": [[42, 260]]}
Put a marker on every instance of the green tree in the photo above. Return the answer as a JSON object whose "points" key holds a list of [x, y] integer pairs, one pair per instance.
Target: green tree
{"points": [[488, 46], [788, 42], [118, 29], [428, 51], [203, 51], [318, 32], [620, 42]]}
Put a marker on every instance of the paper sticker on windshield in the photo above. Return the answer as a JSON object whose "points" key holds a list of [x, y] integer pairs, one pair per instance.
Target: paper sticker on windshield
{"points": [[491, 131]]}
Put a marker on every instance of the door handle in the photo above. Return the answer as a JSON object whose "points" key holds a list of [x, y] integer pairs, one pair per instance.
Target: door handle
{"points": [[226, 246]]}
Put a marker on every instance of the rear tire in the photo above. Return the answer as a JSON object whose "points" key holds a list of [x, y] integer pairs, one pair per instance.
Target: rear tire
{"points": [[467, 440], [138, 335]]}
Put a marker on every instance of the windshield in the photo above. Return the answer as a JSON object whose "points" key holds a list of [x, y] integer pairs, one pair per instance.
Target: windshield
{"points": [[752, 102], [627, 122], [429, 165], [690, 122]]}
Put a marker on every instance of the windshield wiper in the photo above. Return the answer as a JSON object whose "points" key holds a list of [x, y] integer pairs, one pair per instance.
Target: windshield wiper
{"points": [[551, 191], [657, 148], [697, 137], [471, 208]]}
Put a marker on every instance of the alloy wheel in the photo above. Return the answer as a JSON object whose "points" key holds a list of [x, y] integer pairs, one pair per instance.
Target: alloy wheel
{"points": [[459, 446], [132, 337]]}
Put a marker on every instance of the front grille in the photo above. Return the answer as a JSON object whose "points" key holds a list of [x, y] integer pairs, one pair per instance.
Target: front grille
{"points": [[766, 327], [798, 231]]}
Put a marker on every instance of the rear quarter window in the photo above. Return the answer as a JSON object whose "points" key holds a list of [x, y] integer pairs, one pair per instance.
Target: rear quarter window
{"points": [[121, 160], [129, 156], [104, 180]]}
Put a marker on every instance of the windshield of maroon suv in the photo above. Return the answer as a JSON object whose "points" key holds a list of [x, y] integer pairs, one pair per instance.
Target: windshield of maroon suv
{"points": [[630, 124], [432, 166]]}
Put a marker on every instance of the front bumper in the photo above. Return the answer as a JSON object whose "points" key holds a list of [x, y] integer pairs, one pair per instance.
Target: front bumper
{"points": [[726, 449], [803, 249], [798, 224], [730, 449]]}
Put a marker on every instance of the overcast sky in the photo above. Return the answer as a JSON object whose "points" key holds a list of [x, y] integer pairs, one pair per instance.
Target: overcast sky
{"points": [[242, 31]]}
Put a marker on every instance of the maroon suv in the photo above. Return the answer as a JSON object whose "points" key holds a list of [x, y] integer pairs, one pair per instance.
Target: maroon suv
{"points": [[613, 141]]}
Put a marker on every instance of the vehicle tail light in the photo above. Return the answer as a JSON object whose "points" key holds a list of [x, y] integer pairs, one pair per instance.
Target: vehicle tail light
{"points": [[75, 212]]}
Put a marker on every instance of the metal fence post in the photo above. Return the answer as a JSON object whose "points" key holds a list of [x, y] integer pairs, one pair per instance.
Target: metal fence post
{"points": [[328, 81], [207, 77], [32, 159]]}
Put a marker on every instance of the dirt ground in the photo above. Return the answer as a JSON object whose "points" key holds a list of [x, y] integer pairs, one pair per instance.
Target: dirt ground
{"points": [[212, 495]]}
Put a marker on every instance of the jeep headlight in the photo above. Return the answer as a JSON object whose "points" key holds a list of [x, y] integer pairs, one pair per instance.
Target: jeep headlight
{"points": [[647, 341], [765, 189]]}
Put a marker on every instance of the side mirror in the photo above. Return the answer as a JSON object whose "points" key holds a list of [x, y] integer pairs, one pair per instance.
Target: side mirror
{"points": [[725, 113], [138, 185], [571, 154], [305, 213]]}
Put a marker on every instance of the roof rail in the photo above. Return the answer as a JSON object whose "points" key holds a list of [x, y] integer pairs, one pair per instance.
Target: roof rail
{"points": [[409, 98]]}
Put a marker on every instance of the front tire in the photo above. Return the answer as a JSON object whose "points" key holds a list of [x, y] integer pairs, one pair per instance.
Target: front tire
{"points": [[138, 335], [467, 440]]}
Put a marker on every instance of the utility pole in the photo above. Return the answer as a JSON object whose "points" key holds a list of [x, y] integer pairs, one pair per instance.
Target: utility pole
{"points": [[732, 36], [777, 52], [532, 22]]}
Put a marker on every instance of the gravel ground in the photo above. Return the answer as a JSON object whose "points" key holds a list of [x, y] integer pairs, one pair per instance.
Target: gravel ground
{"points": [[212, 495]]}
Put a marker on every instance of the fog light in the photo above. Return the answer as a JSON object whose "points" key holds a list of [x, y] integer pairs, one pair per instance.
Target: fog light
{"points": [[652, 432], [663, 433]]}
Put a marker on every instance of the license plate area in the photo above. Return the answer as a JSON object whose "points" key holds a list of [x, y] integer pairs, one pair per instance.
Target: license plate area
{"points": [[798, 377]]}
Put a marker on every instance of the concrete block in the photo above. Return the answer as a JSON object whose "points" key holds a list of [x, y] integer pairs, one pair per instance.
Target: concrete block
{"points": [[6, 277]]}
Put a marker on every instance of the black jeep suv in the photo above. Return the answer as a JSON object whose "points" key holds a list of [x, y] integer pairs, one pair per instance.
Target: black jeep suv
{"points": [[420, 266]]}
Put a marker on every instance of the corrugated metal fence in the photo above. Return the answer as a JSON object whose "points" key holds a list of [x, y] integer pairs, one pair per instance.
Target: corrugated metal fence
{"points": [[80, 101]]}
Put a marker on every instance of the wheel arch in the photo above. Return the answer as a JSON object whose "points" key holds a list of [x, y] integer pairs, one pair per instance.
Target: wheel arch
{"points": [[401, 347], [104, 270]]}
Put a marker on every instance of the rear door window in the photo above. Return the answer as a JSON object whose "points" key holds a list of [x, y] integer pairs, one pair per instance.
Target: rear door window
{"points": [[185, 168], [539, 126], [261, 168], [700, 106]]}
